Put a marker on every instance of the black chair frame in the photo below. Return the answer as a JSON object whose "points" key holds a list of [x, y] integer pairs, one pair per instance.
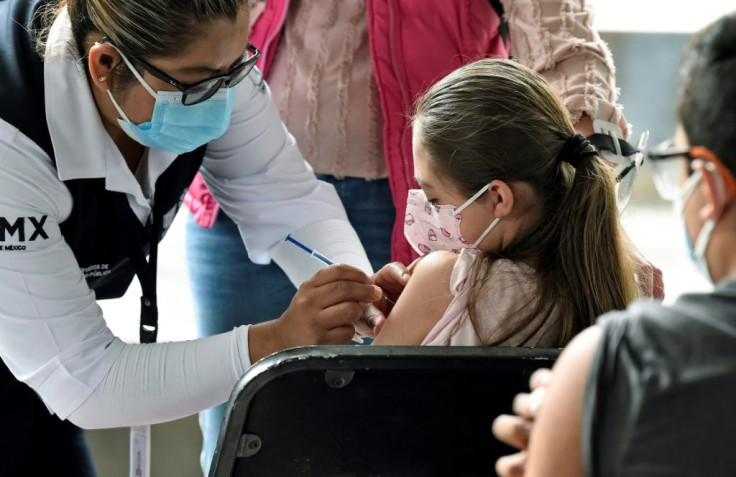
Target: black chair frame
{"points": [[372, 411]]}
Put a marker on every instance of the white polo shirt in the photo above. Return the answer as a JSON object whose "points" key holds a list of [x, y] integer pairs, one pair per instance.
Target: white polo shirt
{"points": [[52, 333]]}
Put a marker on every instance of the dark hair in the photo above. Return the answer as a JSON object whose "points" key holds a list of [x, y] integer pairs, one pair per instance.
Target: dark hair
{"points": [[143, 28], [496, 119], [707, 98]]}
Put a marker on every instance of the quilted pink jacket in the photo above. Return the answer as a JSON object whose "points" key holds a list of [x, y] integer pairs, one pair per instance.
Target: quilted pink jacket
{"points": [[415, 43]]}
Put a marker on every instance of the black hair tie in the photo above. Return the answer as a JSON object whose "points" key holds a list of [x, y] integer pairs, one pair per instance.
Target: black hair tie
{"points": [[577, 148]]}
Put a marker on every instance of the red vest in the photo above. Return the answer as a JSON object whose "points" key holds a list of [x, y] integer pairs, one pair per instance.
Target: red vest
{"points": [[413, 44]]}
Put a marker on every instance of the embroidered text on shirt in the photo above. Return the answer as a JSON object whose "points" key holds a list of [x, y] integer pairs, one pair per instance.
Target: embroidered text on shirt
{"points": [[19, 227]]}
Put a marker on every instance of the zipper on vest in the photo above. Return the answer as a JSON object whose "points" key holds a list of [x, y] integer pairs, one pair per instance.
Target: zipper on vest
{"points": [[274, 32], [402, 87]]}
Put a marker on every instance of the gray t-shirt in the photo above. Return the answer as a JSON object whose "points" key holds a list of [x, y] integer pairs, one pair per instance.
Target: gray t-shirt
{"points": [[661, 395]]}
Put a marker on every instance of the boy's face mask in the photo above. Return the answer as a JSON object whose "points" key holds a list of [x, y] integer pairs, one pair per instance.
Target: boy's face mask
{"points": [[668, 167], [429, 227], [696, 252]]}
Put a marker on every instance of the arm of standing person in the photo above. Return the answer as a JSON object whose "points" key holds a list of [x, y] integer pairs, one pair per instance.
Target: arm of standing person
{"points": [[259, 178], [422, 303], [556, 38], [155, 383], [54, 338]]}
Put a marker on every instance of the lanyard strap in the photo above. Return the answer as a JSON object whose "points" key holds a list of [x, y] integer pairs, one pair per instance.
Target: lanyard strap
{"points": [[130, 227], [135, 241]]}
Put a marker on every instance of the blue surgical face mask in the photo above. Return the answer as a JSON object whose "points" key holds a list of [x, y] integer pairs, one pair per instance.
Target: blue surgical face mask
{"points": [[695, 251], [175, 127]]}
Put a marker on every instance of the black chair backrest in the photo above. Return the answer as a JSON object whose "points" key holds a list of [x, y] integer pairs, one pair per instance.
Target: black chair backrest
{"points": [[373, 411]]}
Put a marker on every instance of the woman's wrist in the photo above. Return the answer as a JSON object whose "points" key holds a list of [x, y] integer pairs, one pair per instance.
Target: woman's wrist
{"points": [[264, 339]]}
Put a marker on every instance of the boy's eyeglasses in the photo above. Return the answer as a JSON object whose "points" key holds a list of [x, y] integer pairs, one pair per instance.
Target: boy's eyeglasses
{"points": [[202, 90], [671, 163]]}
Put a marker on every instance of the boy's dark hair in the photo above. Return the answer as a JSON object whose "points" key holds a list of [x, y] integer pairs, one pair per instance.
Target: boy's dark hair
{"points": [[707, 99]]}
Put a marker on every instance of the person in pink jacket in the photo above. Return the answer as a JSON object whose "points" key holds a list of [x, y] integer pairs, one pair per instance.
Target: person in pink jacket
{"points": [[344, 75]]}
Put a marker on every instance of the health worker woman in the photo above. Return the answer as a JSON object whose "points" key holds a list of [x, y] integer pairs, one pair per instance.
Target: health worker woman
{"points": [[107, 111]]}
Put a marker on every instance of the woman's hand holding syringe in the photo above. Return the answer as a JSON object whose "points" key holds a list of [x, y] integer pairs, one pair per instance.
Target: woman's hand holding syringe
{"points": [[392, 279]]}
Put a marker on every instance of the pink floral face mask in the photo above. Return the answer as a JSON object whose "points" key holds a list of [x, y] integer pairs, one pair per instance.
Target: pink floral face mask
{"points": [[429, 227]]}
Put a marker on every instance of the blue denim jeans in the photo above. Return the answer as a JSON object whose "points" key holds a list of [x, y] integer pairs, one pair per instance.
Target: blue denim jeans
{"points": [[229, 290]]}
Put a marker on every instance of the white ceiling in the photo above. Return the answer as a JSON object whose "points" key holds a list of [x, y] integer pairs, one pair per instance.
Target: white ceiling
{"points": [[658, 15]]}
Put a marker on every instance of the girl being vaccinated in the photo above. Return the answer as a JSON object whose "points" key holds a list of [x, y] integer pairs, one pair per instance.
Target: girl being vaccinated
{"points": [[516, 218]]}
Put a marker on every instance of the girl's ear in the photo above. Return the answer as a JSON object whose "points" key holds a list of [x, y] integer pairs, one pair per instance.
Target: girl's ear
{"points": [[500, 200], [713, 190], [103, 58]]}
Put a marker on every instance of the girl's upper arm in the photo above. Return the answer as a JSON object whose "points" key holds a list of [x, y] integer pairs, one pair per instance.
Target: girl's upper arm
{"points": [[555, 444], [422, 303]]}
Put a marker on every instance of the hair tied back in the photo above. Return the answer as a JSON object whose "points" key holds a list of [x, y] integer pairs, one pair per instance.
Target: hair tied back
{"points": [[576, 148]]}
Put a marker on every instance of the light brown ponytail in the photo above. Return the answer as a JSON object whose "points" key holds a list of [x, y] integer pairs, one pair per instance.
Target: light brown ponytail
{"points": [[496, 119]]}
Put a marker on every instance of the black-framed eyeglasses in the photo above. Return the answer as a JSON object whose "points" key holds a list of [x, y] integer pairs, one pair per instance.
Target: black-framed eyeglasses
{"points": [[668, 150], [668, 167], [202, 90]]}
